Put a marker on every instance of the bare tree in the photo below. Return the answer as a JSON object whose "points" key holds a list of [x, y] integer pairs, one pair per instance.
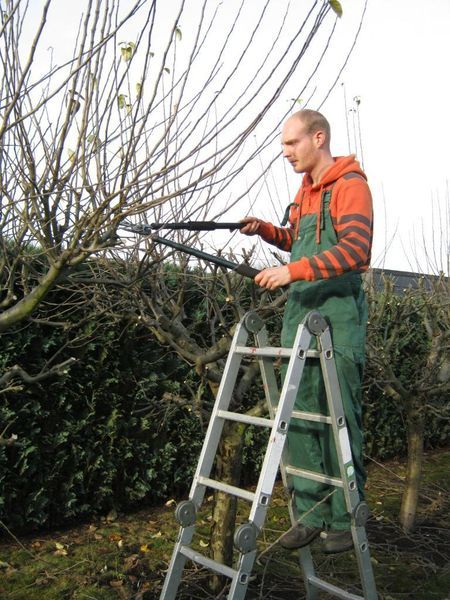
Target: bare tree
{"points": [[122, 128], [408, 349]]}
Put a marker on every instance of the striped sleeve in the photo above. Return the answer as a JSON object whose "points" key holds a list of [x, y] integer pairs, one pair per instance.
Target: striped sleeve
{"points": [[351, 212], [281, 237]]}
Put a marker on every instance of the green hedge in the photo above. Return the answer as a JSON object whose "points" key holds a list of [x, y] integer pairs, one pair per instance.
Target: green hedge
{"points": [[102, 436], [117, 429]]}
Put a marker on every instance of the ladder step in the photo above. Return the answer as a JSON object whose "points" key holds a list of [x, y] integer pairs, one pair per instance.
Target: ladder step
{"points": [[314, 476], [273, 352], [210, 564], [308, 416], [332, 589], [232, 416], [225, 487]]}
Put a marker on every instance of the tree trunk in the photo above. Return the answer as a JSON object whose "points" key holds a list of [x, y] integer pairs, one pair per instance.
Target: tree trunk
{"points": [[415, 425], [228, 470]]}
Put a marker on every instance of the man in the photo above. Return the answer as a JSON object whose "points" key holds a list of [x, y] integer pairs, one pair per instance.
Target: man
{"points": [[329, 238]]}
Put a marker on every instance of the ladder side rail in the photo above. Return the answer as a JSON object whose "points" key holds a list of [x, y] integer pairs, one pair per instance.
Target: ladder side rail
{"points": [[306, 561], [272, 397], [281, 420], [239, 584], [346, 465], [338, 421], [216, 423], [176, 565]]}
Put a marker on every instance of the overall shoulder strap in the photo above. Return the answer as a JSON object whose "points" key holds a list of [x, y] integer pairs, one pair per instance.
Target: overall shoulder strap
{"points": [[326, 199]]}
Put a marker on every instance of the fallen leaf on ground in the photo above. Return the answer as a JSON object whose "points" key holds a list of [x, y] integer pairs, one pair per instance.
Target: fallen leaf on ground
{"points": [[60, 549], [130, 561]]}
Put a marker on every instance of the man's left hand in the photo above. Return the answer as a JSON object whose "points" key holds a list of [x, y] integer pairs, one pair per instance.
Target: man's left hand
{"points": [[274, 278]]}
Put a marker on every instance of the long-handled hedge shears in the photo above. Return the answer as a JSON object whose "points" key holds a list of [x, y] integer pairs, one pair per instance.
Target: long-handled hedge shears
{"points": [[148, 228]]}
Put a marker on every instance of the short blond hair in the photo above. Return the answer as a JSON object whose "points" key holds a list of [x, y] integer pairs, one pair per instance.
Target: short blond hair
{"points": [[314, 121]]}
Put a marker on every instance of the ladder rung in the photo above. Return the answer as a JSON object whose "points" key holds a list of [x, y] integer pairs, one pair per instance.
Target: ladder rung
{"points": [[266, 351], [332, 589], [307, 416], [225, 487], [314, 476], [210, 564], [272, 351], [232, 416]]}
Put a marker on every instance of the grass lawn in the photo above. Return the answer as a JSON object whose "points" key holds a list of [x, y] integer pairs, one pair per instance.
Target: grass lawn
{"points": [[125, 556]]}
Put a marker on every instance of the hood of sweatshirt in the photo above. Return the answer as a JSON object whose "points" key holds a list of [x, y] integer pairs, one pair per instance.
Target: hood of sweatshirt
{"points": [[342, 165]]}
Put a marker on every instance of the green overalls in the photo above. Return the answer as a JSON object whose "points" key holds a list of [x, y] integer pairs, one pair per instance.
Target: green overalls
{"points": [[341, 301]]}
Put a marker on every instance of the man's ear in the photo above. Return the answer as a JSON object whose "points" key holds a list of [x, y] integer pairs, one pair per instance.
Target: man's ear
{"points": [[320, 138]]}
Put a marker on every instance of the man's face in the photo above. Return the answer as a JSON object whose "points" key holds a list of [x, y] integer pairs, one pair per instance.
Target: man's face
{"points": [[298, 146]]}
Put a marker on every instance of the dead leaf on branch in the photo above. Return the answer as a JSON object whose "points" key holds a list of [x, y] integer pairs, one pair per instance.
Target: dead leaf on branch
{"points": [[336, 6]]}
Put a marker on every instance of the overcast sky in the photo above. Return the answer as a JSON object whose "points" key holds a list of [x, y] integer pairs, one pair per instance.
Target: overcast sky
{"points": [[398, 72]]}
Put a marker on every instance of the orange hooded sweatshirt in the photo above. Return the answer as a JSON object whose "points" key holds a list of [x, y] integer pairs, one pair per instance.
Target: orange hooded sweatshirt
{"points": [[352, 217]]}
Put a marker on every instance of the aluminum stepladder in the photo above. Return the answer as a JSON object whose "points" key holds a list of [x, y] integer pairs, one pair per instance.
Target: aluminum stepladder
{"points": [[281, 411]]}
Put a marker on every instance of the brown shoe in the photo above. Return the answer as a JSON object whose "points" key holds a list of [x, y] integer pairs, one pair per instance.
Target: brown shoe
{"points": [[338, 541], [298, 536]]}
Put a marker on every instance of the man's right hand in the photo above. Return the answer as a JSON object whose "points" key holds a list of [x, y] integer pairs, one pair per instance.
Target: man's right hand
{"points": [[251, 225]]}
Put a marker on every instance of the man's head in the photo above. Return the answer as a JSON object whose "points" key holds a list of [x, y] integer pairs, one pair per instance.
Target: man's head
{"points": [[306, 141]]}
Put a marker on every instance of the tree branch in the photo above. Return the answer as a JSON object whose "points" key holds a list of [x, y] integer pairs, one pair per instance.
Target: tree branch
{"points": [[18, 372]]}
